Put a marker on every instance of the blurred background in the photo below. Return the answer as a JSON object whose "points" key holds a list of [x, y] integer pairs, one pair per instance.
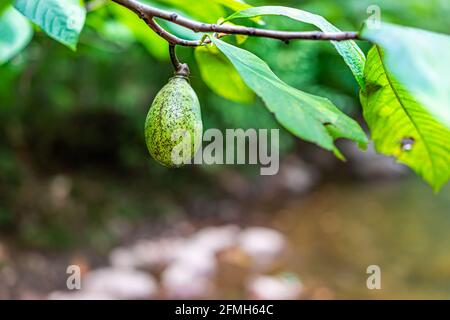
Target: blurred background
{"points": [[78, 187]]}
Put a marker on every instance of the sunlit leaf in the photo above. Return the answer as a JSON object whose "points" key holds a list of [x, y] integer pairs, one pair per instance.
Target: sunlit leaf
{"points": [[240, 38], [203, 10], [349, 50], [62, 20], [401, 127], [235, 5], [15, 34], [420, 61], [309, 117], [220, 75]]}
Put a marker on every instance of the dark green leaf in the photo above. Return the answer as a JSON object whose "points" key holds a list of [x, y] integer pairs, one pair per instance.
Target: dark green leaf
{"points": [[349, 50], [309, 117]]}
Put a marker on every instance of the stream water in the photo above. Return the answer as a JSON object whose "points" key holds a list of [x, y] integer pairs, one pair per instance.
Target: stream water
{"points": [[339, 230], [333, 235]]}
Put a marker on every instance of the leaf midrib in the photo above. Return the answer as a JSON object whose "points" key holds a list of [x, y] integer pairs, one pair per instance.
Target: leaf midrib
{"points": [[407, 113]]}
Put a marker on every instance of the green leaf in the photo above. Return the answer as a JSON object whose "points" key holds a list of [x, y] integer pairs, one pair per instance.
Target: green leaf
{"points": [[240, 39], [235, 5], [62, 20], [402, 127], [4, 4], [203, 10], [420, 61], [15, 34], [109, 29], [179, 31], [314, 119], [349, 50], [220, 75], [154, 44]]}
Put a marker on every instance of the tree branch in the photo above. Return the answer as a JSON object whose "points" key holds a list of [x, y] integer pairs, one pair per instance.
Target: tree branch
{"points": [[148, 13], [172, 39]]}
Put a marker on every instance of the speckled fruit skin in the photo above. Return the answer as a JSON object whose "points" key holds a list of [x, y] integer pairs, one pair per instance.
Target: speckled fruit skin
{"points": [[175, 110]]}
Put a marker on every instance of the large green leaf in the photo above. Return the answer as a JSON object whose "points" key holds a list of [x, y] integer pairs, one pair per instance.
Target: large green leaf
{"points": [[402, 127], [15, 34], [349, 50], [309, 117], [220, 75], [420, 61], [62, 20]]}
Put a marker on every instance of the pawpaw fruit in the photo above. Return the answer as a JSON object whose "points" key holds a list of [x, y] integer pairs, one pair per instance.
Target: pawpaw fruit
{"points": [[173, 127]]}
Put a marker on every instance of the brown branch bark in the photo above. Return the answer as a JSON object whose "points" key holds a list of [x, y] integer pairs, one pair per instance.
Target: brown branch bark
{"points": [[148, 13], [181, 69]]}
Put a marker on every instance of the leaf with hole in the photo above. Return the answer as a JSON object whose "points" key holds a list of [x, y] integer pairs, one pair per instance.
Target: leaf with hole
{"points": [[420, 61], [401, 127]]}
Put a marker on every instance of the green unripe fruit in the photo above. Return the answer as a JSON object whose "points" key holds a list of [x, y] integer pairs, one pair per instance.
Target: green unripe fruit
{"points": [[173, 128]]}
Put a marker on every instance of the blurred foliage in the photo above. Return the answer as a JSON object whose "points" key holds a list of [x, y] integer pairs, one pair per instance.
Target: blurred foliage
{"points": [[62, 111]]}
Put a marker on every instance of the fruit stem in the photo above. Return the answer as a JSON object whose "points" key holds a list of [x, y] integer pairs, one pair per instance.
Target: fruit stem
{"points": [[181, 69]]}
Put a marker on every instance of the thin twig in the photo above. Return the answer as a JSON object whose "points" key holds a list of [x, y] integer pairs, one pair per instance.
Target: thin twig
{"points": [[148, 14]]}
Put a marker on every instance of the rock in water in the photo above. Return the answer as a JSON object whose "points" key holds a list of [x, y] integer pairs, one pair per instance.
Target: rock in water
{"points": [[173, 128]]}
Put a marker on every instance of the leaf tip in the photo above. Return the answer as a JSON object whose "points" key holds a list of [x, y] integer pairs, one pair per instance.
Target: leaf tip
{"points": [[339, 154]]}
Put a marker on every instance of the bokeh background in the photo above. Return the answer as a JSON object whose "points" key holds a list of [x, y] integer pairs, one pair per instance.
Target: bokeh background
{"points": [[77, 185]]}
